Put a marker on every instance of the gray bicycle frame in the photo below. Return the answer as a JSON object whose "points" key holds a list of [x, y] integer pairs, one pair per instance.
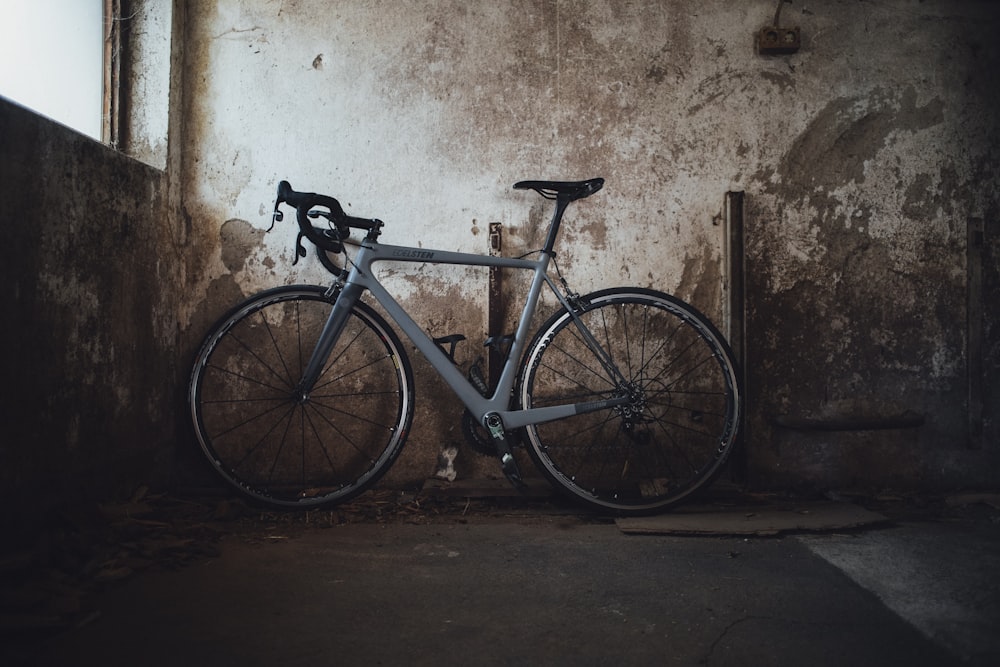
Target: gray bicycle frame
{"points": [[361, 278]]}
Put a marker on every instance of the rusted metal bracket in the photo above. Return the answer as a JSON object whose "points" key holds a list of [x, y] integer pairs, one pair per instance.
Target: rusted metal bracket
{"points": [[734, 317], [974, 330]]}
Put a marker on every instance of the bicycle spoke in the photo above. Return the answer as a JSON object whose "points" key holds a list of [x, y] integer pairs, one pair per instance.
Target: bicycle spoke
{"points": [[347, 437], [574, 358], [344, 375], [277, 347], [336, 358], [260, 442], [243, 376], [248, 378], [356, 394], [247, 421], [281, 446]]}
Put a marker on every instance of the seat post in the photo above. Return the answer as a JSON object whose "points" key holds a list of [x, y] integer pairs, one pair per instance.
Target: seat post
{"points": [[562, 202]]}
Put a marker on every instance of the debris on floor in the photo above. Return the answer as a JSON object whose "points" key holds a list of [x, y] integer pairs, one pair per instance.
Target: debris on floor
{"points": [[44, 585]]}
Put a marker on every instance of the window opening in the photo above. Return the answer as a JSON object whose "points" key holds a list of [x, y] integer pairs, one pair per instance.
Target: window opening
{"points": [[52, 59]]}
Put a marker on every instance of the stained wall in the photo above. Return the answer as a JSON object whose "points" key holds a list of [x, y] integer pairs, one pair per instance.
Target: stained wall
{"points": [[862, 159], [872, 255], [89, 342]]}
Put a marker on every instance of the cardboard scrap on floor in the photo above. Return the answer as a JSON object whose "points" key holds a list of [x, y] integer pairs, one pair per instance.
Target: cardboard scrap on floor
{"points": [[752, 520]]}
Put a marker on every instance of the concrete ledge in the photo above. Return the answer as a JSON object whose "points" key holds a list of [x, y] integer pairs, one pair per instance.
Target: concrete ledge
{"points": [[764, 520]]}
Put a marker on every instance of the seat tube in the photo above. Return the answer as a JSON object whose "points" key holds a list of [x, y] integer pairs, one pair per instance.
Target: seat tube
{"points": [[328, 338]]}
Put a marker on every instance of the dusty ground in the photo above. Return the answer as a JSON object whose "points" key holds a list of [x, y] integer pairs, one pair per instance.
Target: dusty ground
{"points": [[48, 582]]}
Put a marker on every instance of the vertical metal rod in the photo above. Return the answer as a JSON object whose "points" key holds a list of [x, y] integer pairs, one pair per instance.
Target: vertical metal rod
{"points": [[495, 324], [735, 316], [975, 247]]}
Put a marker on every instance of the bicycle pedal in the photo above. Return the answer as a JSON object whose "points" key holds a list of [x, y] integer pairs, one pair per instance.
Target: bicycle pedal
{"points": [[511, 471], [507, 461]]}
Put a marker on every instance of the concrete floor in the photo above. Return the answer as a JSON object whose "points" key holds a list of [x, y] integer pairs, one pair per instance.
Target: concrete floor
{"points": [[554, 589]]}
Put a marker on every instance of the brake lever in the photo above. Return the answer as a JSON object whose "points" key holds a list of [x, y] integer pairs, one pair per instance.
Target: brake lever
{"points": [[277, 216], [300, 250], [334, 228]]}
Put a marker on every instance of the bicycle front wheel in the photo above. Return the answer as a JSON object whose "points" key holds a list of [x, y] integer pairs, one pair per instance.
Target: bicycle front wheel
{"points": [[278, 447], [683, 411]]}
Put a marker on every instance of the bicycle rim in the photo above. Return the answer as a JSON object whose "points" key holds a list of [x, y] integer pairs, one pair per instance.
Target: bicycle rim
{"points": [[675, 433], [269, 443]]}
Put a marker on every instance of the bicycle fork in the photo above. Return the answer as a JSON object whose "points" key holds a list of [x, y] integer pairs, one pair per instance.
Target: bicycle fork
{"points": [[347, 295]]}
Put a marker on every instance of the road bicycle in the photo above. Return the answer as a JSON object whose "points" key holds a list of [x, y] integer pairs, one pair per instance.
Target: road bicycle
{"points": [[627, 399]]}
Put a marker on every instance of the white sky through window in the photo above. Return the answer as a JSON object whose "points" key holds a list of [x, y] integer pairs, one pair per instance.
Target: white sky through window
{"points": [[52, 59]]}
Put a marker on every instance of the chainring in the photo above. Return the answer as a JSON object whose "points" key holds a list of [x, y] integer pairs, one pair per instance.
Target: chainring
{"points": [[477, 436]]}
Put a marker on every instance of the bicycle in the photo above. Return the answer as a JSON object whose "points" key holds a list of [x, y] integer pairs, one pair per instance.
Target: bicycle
{"points": [[626, 399]]}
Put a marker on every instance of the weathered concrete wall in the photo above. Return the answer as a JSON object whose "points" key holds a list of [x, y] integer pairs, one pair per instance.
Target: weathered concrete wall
{"points": [[88, 339], [859, 284], [862, 156]]}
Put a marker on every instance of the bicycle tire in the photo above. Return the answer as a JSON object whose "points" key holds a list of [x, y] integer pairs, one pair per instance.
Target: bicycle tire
{"points": [[276, 448], [677, 431]]}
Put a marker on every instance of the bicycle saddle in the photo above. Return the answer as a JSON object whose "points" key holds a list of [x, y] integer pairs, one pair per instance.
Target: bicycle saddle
{"points": [[568, 190]]}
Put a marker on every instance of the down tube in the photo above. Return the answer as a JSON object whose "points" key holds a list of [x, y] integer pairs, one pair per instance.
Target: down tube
{"points": [[456, 380], [450, 373]]}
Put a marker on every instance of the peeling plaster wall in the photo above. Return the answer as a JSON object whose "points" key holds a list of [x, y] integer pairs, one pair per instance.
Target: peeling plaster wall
{"points": [[861, 158], [89, 336], [857, 252]]}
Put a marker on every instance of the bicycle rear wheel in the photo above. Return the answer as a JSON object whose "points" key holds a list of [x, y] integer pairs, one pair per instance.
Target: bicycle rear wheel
{"points": [[274, 446], [679, 425]]}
